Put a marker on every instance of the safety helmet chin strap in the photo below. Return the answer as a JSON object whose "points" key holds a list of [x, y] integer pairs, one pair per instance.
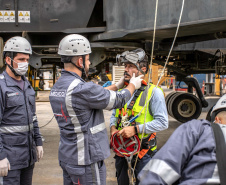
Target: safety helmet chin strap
{"points": [[11, 66], [84, 75]]}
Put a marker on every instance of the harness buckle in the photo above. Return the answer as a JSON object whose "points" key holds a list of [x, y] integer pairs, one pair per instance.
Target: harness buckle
{"points": [[125, 121]]}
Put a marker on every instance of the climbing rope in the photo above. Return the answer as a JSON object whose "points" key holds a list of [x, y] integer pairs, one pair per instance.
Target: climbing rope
{"points": [[178, 25]]}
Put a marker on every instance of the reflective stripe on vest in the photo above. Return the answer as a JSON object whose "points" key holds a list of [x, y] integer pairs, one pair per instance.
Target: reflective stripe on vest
{"points": [[13, 129]]}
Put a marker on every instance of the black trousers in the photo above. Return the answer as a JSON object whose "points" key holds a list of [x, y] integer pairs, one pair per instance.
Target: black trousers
{"points": [[122, 169], [18, 177]]}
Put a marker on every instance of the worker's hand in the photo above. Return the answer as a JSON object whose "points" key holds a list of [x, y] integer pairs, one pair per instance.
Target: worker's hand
{"points": [[4, 167], [136, 81], [120, 83], [127, 132], [113, 130], [40, 152]]}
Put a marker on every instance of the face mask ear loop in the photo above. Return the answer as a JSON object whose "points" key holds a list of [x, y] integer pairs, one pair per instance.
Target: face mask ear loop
{"points": [[11, 56], [11, 67]]}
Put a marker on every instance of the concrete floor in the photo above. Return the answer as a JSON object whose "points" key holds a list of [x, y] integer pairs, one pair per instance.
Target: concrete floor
{"points": [[48, 172]]}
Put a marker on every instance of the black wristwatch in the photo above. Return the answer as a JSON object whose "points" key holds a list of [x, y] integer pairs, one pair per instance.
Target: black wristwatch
{"points": [[135, 127]]}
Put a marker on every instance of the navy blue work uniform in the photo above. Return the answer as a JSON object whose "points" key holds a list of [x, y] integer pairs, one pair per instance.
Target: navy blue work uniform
{"points": [[77, 106], [188, 157], [19, 131]]}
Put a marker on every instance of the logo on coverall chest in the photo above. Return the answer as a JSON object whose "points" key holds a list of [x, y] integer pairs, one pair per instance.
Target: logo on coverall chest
{"points": [[13, 94], [57, 93]]}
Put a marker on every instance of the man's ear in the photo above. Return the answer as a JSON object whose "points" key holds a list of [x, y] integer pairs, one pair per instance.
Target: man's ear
{"points": [[217, 120], [80, 62], [8, 60], [144, 69]]}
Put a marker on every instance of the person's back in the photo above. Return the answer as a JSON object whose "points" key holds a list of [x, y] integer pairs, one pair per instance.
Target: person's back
{"points": [[80, 115], [188, 157], [194, 154], [77, 106]]}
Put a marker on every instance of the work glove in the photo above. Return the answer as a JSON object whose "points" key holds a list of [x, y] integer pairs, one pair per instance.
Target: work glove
{"points": [[4, 167], [40, 152], [120, 83], [136, 81]]}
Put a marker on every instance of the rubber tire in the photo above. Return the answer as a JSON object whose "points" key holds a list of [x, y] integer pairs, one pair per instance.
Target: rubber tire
{"points": [[170, 103], [181, 97], [168, 96], [167, 99]]}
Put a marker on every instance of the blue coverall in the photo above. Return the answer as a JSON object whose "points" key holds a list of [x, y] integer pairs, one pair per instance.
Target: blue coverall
{"points": [[19, 131], [78, 108]]}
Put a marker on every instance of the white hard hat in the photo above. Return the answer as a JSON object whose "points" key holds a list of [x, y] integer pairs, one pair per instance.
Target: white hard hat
{"points": [[221, 104], [74, 45], [18, 44]]}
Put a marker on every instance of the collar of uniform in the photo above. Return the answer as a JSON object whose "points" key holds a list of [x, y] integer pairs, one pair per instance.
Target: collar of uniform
{"points": [[65, 72], [26, 83], [11, 83]]}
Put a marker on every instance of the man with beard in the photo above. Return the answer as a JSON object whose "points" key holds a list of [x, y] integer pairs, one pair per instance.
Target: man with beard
{"points": [[77, 106], [156, 119]]}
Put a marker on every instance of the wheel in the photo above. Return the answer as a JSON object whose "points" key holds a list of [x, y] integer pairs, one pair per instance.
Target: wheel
{"points": [[170, 103], [167, 98], [186, 107]]}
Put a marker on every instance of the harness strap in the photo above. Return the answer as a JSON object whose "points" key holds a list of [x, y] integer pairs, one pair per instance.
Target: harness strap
{"points": [[220, 152], [147, 145], [136, 95]]}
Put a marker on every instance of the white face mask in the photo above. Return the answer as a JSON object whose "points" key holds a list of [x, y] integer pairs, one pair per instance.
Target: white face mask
{"points": [[22, 68]]}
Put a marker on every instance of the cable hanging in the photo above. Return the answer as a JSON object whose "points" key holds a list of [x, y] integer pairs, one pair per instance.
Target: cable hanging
{"points": [[148, 100]]}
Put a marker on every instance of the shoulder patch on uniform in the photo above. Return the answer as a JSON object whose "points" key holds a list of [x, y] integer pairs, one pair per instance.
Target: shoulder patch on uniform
{"points": [[2, 77]]}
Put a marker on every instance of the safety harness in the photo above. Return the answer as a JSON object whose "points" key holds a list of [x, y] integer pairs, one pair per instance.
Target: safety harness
{"points": [[127, 147], [123, 119], [147, 142]]}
